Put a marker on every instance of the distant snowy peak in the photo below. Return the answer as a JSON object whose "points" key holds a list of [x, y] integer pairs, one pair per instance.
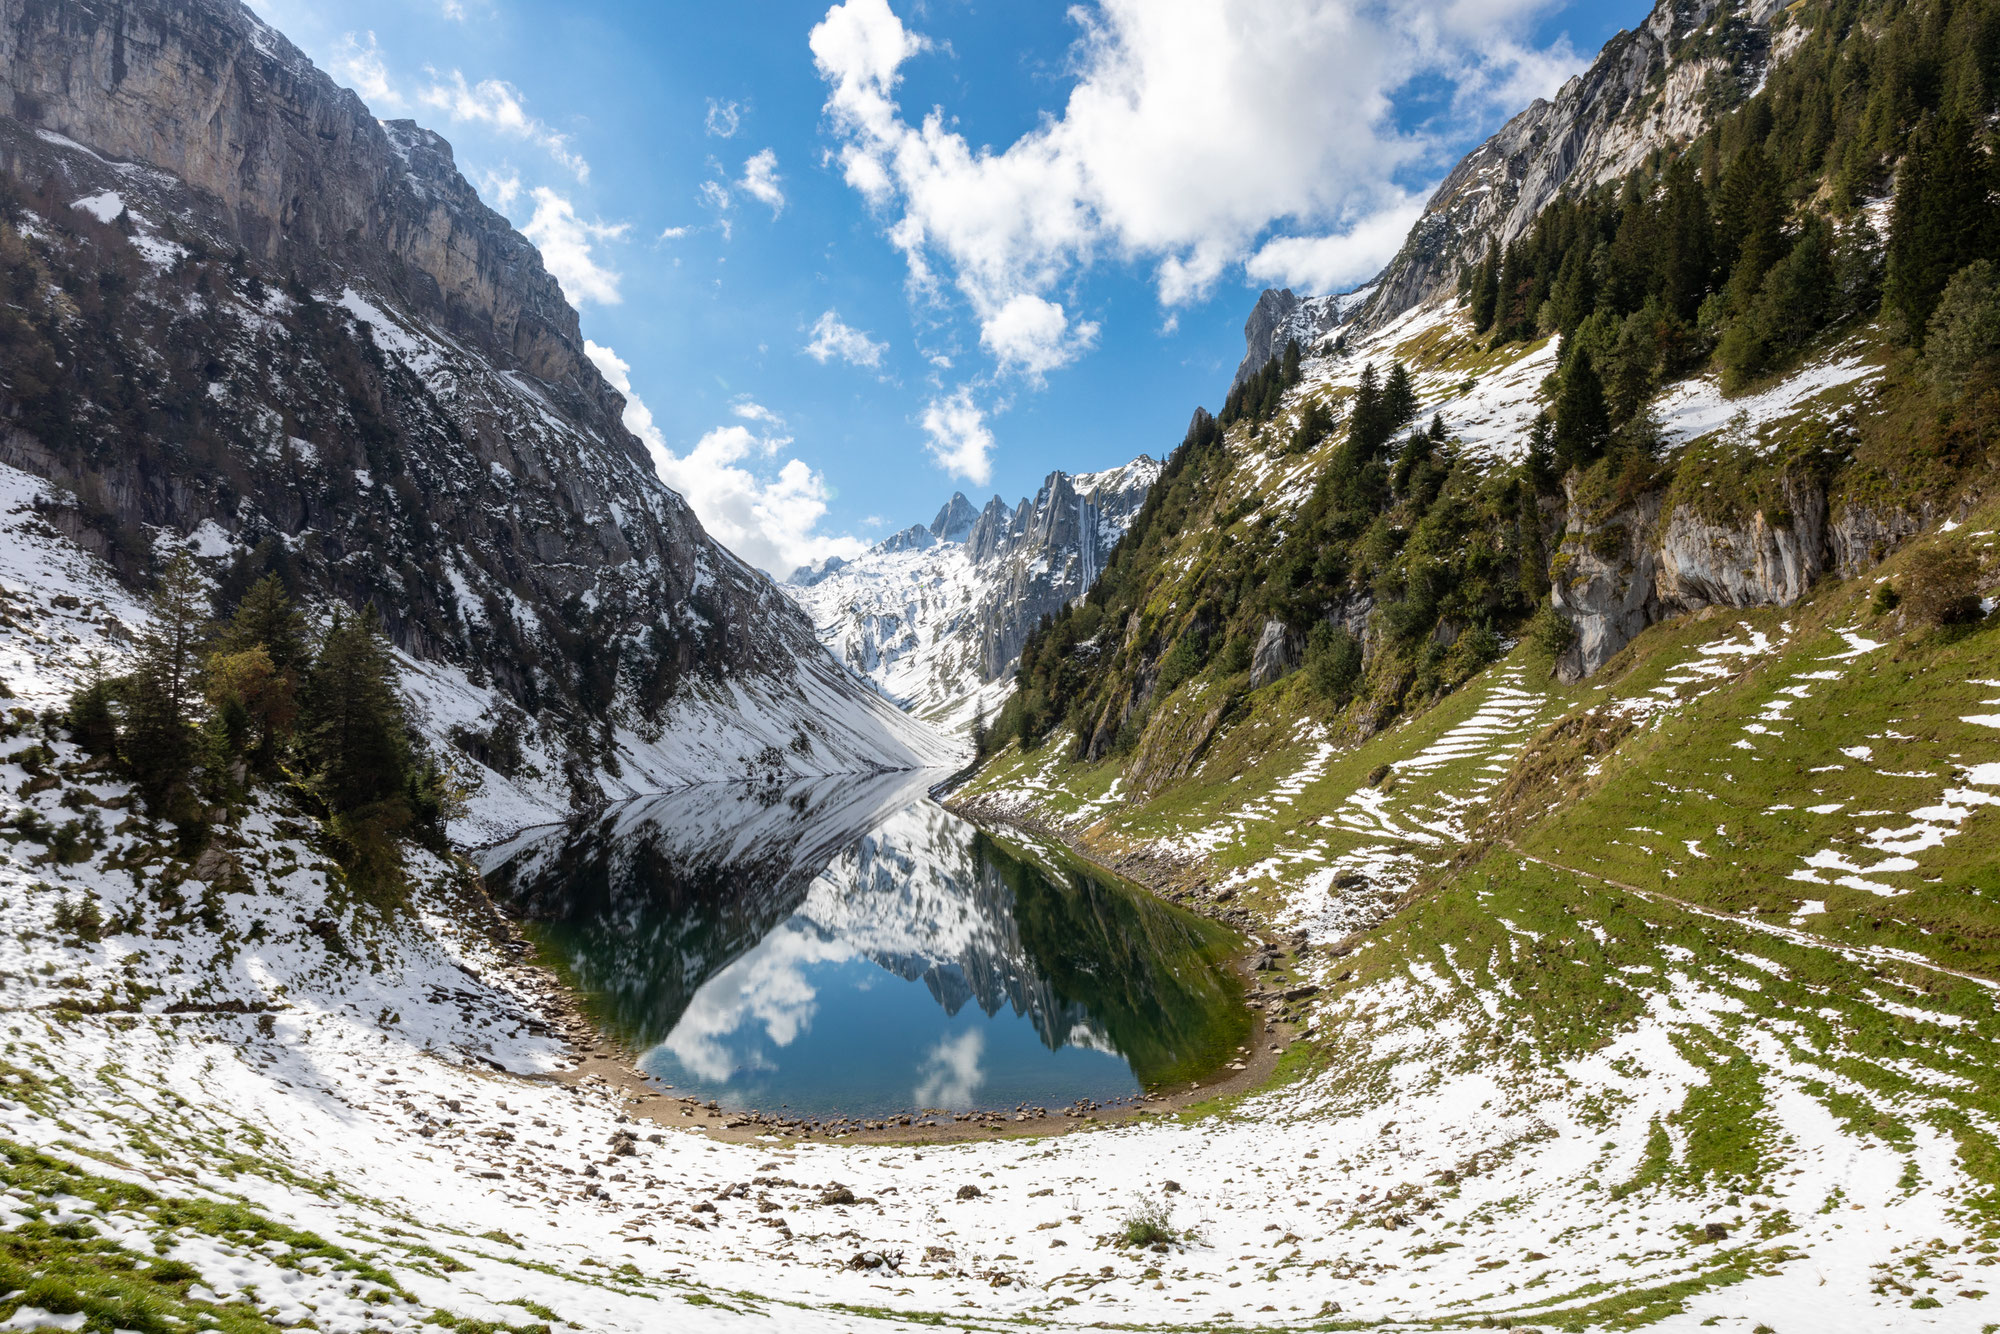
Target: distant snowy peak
{"points": [[805, 576], [954, 522], [936, 616], [914, 538]]}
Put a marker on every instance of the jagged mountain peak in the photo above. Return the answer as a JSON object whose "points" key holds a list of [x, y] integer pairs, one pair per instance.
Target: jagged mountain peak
{"points": [[936, 616], [914, 538], [955, 520]]}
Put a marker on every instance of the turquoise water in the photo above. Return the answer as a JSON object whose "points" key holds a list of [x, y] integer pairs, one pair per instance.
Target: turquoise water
{"points": [[847, 948]]}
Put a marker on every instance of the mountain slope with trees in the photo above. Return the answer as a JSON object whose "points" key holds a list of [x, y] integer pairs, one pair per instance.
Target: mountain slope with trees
{"points": [[1733, 258]]}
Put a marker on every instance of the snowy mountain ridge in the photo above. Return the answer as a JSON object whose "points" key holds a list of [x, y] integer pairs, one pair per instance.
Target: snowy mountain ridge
{"points": [[936, 615]]}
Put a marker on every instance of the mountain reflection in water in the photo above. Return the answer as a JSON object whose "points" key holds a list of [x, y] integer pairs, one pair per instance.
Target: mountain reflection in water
{"points": [[846, 946]]}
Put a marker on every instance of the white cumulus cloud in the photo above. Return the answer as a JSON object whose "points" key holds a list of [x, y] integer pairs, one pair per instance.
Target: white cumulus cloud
{"points": [[833, 338], [1034, 336], [762, 182], [1328, 263], [497, 104], [1193, 130], [766, 511], [360, 63], [724, 118], [959, 438], [565, 241]]}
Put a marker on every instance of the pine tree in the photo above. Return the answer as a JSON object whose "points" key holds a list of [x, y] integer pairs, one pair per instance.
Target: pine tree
{"points": [[91, 719], [1364, 419], [1964, 341], [160, 738], [1942, 220], [1687, 252], [1575, 290], [1485, 292], [1532, 569], [1289, 369], [1754, 208], [1510, 316], [267, 617], [1539, 462], [1399, 399], [357, 750], [355, 742], [1582, 420]]}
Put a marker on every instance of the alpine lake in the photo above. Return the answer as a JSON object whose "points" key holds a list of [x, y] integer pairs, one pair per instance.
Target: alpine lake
{"points": [[847, 948]]}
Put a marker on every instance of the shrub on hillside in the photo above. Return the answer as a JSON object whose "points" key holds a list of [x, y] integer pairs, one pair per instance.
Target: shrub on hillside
{"points": [[1940, 586], [1333, 662]]}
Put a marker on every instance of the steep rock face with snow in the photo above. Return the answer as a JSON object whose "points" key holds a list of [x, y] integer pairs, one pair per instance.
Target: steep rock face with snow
{"points": [[301, 341], [936, 615]]}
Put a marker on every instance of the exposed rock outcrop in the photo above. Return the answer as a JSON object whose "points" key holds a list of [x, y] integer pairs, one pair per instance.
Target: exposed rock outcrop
{"points": [[1602, 580], [1278, 650], [1748, 563], [1617, 574]]}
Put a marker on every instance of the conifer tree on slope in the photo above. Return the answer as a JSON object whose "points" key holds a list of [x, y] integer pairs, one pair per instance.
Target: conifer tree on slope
{"points": [[160, 737]]}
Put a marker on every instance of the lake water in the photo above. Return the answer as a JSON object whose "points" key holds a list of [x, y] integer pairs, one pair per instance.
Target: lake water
{"points": [[848, 948]]}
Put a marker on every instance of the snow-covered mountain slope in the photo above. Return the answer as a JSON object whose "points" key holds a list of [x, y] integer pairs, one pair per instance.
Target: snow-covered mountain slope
{"points": [[936, 615], [313, 350]]}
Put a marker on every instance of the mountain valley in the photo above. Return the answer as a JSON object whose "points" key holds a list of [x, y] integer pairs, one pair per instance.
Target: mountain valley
{"points": [[1511, 796]]}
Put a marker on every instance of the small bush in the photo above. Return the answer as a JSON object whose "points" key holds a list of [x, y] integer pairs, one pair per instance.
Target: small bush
{"points": [[1146, 1223], [80, 919], [1237, 655], [1941, 586], [1182, 661], [1549, 635]]}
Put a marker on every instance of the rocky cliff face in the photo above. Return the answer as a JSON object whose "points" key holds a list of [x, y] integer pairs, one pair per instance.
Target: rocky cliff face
{"points": [[258, 323], [306, 180], [937, 616], [1615, 575]]}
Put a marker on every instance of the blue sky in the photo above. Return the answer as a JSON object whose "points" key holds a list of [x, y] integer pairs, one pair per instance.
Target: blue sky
{"points": [[852, 257]]}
